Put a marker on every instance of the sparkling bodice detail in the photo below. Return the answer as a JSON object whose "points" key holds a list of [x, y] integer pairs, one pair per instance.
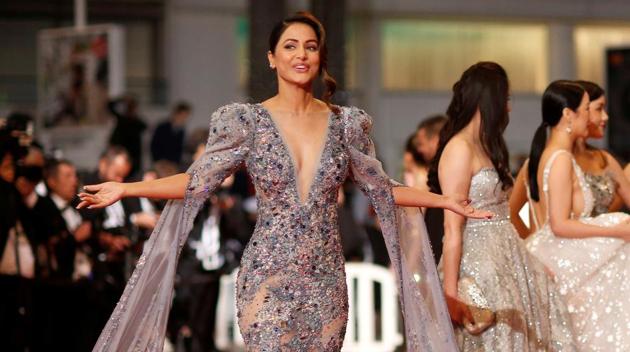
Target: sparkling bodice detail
{"points": [[603, 187], [486, 193]]}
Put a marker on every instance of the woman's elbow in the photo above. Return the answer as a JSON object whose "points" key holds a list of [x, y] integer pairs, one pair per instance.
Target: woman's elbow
{"points": [[560, 228]]}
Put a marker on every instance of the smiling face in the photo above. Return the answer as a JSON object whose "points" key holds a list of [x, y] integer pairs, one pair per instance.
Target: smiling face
{"points": [[598, 118], [296, 57]]}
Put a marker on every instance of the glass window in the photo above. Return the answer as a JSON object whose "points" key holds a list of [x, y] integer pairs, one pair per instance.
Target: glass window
{"points": [[432, 54]]}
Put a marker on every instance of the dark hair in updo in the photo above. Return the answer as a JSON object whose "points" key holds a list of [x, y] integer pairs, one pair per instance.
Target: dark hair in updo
{"points": [[594, 90], [308, 19]]}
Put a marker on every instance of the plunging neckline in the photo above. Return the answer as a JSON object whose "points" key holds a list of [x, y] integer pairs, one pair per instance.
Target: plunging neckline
{"points": [[289, 152]]}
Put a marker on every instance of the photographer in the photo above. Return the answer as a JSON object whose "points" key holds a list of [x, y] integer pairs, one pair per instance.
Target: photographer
{"points": [[18, 241]]}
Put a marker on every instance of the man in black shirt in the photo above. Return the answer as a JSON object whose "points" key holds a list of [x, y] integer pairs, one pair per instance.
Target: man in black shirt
{"points": [[168, 138]]}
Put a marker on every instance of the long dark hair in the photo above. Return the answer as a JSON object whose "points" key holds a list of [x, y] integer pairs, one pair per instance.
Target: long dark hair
{"points": [[483, 86], [558, 96], [308, 19], [594, 90]]}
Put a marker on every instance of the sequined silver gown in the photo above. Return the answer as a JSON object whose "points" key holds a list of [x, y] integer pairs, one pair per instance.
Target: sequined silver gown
{"points": [[529, 313], [604, 188], [592, 274], [291, 290]]}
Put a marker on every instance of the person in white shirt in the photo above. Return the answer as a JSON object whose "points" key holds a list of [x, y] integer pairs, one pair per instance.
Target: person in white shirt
{"points": [[69, 228]]}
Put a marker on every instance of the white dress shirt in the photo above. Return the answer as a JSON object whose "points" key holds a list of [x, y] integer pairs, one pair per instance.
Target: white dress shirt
{"points": [[70, 215]]}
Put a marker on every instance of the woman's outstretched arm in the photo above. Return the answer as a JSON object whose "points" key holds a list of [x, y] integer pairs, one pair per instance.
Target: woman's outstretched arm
{"points": [[104, 194], [413, 197]]}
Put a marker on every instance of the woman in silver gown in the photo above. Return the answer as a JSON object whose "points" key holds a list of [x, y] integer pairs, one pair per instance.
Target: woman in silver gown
{"points": [[291, 293], [602, 171], [484, 261], [588, 256]]}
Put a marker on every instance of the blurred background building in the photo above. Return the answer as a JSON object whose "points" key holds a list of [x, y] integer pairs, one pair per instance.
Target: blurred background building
{"points": [[396, 59]]}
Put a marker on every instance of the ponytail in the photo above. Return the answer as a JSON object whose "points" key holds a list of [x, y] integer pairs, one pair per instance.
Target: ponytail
{"points": [[558, 96], [538, 146]]}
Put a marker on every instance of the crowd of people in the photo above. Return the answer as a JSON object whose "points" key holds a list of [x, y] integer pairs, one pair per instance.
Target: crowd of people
{"points": [[558, 284]]}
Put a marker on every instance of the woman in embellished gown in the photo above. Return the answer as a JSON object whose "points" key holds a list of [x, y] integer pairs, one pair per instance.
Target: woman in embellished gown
{"points": [[291, 289], [485, 259], [588, 256], [602, 172]]}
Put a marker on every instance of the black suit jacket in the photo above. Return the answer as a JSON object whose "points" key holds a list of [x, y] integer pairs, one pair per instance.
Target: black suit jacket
{"points": [[233, 228], [60, 240]]}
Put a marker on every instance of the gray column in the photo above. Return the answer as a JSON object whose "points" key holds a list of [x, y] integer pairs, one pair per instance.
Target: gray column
{"points": [[561, 52], [333, 14], [201, 63], [263, 15]]}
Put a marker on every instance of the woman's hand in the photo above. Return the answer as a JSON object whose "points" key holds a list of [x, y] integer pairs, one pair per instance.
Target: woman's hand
{"points": [[461, 206], [467, 316], [458, 310], [102, 195]]}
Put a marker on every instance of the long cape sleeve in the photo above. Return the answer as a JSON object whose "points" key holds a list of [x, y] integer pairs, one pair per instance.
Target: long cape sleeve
{"points": [[139, 320], [427, 323]]}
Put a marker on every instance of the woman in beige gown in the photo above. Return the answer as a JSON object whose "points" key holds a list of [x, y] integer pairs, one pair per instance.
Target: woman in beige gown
{"points": [[588, 256]]}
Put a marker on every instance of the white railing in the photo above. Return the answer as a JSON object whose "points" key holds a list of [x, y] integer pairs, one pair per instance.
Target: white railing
{"points": [[363, 318]]}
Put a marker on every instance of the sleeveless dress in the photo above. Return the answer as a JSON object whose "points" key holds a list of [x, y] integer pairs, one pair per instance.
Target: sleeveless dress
{"points": [[529, 313], [592, 274], [291, 290]]}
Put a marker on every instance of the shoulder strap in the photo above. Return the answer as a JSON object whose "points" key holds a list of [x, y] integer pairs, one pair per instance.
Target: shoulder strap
{"points": [[579, 174], [552, 158]]}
